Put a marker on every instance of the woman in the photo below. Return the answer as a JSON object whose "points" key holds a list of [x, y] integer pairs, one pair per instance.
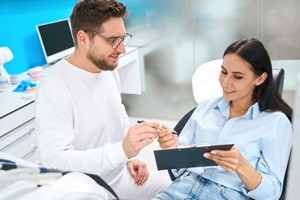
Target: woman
{"points": [[252, 116]]}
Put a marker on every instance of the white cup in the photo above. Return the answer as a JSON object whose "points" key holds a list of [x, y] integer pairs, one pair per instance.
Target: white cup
{"points": [[4, 83], [14, 79]]}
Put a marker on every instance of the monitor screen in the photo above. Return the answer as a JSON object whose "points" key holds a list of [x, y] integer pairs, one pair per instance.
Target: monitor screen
{"points": [[56, 40]]}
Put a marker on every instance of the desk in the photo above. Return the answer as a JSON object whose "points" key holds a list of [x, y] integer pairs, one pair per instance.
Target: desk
{"points": [[17, 110], [17, 123]]}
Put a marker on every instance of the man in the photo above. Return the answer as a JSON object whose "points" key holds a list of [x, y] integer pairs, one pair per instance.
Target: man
{"points": [[80, 118]]}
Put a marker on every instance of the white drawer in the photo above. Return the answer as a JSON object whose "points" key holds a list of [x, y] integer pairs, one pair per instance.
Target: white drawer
{"points": [[33, 156], [21, 141], [17, 118]]}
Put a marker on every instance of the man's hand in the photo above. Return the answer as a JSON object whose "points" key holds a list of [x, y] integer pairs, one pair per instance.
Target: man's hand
{"points": [[138, 171], [167, 138], [139, 136]]}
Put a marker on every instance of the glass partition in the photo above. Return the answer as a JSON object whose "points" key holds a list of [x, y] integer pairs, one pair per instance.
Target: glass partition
{"points": [[174, 37]]}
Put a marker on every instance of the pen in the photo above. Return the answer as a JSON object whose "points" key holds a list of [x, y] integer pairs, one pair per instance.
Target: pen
{"points": [[173, 131]]}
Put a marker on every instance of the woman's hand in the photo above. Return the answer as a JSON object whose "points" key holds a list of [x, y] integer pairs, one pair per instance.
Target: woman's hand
{"points": [[138, 171], [167, 138], [229, 160], [232, 161]]}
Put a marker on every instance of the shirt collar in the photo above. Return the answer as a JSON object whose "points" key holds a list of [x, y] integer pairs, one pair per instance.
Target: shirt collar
{"points": [[251, 113]]}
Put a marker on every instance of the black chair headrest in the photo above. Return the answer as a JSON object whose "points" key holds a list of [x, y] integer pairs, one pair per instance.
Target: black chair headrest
{"points": [[278, 76]]}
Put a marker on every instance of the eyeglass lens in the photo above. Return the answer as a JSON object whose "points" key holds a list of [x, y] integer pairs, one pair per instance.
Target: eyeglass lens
{"points": [[118, 41]]}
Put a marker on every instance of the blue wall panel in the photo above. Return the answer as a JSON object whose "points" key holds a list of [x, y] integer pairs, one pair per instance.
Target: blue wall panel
{"points": [[18, 19]]}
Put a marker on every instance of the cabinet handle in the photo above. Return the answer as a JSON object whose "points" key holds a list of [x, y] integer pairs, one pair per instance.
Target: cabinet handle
{"points": [[11, 137], [31, 130]]}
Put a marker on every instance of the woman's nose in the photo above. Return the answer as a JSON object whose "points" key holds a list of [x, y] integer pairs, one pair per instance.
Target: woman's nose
{"points": [[226, 81]]}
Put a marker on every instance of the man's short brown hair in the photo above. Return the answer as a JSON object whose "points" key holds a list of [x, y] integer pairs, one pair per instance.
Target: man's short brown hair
{"points": [[91, 14]]}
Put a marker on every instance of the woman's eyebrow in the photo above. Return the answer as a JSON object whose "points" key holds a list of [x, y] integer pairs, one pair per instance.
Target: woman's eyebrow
{"points": [[239, 73]]}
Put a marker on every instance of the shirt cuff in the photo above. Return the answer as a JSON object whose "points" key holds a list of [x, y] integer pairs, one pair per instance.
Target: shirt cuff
{"points": [[263, 189]]}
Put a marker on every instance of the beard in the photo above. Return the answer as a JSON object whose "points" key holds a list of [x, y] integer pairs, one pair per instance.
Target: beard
{"points": [[100, 62]]}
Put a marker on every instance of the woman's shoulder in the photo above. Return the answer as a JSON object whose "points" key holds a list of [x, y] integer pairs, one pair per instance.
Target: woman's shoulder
{"points": [[276, 117]]}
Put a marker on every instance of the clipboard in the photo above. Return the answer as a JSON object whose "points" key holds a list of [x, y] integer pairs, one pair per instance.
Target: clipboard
{"points": [[186, 157]]}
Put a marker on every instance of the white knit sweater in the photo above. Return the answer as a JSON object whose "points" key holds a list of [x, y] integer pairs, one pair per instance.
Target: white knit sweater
{"points": [[81, 121]]}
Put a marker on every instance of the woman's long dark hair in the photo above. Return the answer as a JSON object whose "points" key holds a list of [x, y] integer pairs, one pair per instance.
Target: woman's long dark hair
{"points": [[254, 52]]}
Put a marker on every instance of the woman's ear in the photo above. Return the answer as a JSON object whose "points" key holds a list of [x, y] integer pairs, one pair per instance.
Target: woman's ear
{"points": [[261, 78]]}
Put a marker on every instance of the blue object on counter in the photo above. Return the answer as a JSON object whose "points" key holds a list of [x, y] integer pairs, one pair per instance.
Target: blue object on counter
{"points": [[22, 87]]}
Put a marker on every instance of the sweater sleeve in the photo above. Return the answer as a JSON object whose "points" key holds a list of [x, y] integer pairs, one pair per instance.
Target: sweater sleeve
{"points": [[55, 136]]}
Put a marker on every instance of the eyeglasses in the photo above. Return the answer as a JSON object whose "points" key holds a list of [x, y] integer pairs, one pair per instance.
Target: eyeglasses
{"points": [[117, 41]]}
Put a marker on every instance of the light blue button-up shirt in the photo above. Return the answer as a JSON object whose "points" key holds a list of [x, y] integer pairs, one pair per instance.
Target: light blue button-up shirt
{"points": [[263, 138]]}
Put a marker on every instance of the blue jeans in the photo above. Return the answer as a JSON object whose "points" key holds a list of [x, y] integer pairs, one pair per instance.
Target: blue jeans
{"points": [[191, 186]]}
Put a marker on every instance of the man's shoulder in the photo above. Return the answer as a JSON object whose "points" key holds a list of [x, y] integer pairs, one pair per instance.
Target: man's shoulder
{"points": [[54, 77], [56, 71], [57, 67]]}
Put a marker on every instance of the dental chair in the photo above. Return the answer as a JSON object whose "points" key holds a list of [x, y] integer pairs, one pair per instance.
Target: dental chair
{"points": [[205, 85]]}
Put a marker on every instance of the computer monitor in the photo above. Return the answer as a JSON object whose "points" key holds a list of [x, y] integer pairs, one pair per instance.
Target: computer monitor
{"points": [[293, 179], [56, 40]]}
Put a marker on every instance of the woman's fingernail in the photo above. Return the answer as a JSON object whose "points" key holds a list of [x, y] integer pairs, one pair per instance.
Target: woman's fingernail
{"points": [[206, 155]]}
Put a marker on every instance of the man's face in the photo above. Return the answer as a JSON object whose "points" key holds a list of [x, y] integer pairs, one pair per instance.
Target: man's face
{"points": [[100, 51]]}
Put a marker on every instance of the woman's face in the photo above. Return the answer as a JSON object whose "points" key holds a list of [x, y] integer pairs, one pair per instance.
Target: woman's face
{"points": [[237, 79]]}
